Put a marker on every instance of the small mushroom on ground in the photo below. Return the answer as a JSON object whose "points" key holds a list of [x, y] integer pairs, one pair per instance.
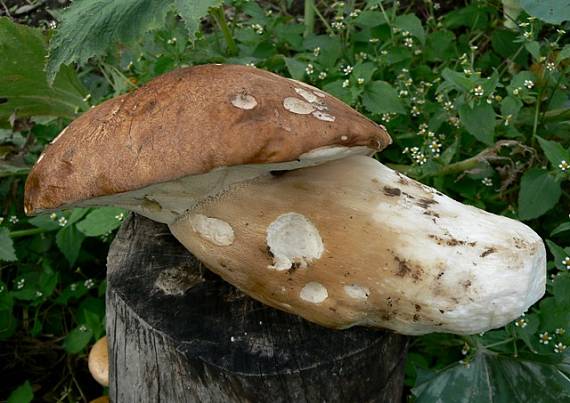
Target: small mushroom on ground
{"points": [[98, 361], [269, 182]]}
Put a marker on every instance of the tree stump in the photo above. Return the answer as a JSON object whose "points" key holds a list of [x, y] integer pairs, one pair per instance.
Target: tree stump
{"points": [[178, 333]]}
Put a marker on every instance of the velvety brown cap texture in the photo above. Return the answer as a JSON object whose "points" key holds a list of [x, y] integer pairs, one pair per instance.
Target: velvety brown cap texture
{"points": [[188, 122]]}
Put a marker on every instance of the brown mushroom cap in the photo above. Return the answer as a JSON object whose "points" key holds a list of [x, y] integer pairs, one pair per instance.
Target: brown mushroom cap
{"points": [[99, 361], [189, 122]]}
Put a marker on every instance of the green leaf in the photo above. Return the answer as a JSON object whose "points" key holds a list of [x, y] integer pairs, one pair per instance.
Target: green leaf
{"points": [[539, 192], [44, 221], [296, 68], [559, 254], [336, 89], [490, 377], [533, 48], [364, 70], [564, 53], [552, 11], [22, 394], [69, 241], [458, 80], [193, 11], [381, 97], [89, 27], [77, 339], [554, 151], [479, 121], [565, 226], [561, 289], [100, 221], [369, 19], [439, 45], [511, 106], [412, 24], [331, 48], [24, 89], [7, 252]]}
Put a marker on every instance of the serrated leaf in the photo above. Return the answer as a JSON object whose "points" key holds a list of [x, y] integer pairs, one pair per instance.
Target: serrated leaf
{"points": [[88, 27], [511, 106], [69, 241], [479, 121], [100, 221], [565, 226], [552, 11], [7, 252], [490, 377], [554, 151], [369, 19], [381, 97], [22, 394], [77, 339], [24, 89], [193, 11], [539, 193], [412, 24]]}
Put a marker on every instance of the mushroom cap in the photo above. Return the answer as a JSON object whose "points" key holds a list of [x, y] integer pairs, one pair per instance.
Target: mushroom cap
{"points": [[98, 361], [190, 122]]}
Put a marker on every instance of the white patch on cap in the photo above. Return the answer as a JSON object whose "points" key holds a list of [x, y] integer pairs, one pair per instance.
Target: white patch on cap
{"points": [[212, 229], [314, 292], [344, 138], [357, 292], [308, 95], [298, 106], [293, 239], [244, 101], [324, 116]]}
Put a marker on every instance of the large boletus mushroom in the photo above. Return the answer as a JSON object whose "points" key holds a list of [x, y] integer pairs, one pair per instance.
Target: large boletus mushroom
{"points": [[270, 183]]}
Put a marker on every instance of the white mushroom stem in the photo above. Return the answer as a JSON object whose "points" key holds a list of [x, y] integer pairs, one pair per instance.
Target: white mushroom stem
{"points": [[378, 249]]}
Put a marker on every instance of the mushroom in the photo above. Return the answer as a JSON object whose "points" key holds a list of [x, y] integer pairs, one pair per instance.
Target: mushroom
{"points": [[98, 361], [269, 182]]}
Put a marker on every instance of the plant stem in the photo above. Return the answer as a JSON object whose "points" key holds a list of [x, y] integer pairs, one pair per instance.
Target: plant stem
{"points": [[536, 112], [309, 17], [220, 17], [499, 343], [28, 232]]}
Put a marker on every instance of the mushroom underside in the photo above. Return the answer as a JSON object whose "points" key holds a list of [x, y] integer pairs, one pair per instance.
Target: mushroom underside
{"points": [[352, 242], [167, 201]]}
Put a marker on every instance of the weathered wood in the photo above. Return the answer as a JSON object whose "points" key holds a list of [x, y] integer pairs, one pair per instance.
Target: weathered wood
{"points": [[178, 333]]}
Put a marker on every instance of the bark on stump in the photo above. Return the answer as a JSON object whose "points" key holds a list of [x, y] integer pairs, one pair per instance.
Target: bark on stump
{"points": [[178, 333]]}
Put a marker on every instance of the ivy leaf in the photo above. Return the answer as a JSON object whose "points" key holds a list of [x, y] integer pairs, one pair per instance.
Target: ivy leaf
{"points": [[479, 121], [24, 89], [69, 241], [381, 97], [22, 394], [553, 151], [539, 192], [552, 11], [193, 11], [100, 221], [7, 252], [88, 27], [493, 377], [412, 24]]}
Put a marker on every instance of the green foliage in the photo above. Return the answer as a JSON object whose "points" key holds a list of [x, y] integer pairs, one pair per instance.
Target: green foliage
{"points": [[22, 394], [24, 90], [539, 193], [552, 11], [489, 376], [90, 27], [475, 109]]}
